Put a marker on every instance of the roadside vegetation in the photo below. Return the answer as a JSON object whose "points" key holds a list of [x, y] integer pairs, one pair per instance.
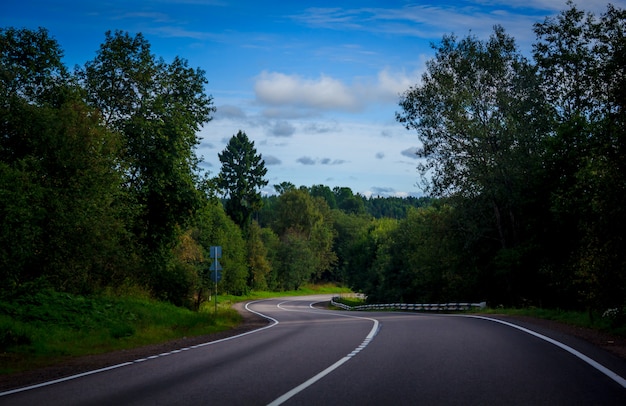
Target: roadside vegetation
{"points": [[108, 219], [40, 327], [609, 321]]}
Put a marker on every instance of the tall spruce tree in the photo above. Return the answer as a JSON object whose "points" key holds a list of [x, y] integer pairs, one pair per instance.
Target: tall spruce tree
{"points": [[241, 178]]}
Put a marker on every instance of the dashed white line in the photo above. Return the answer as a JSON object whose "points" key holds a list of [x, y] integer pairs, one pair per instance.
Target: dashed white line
{"points": [[283, 398]]}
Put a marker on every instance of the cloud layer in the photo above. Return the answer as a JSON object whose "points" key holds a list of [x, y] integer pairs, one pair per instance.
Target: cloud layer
{"points": [[325, 93]]}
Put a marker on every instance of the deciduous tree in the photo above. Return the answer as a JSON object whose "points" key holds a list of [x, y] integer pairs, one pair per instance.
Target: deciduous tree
{"points": [[157, 108]]}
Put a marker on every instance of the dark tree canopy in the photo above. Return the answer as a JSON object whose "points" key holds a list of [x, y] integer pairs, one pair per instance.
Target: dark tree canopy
{"points": [[241, 178], [480, 116], [57, 172], [158, 108]]}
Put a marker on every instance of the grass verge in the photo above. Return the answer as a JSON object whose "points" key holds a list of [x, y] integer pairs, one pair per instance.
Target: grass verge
{"points": [[609, 323], [42, 327], [612, 322]]}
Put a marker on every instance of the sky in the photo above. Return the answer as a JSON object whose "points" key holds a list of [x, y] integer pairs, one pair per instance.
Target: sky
{"points": [[314, 84]]}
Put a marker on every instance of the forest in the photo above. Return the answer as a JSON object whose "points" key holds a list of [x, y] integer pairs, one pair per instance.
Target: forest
{"points": [[523, 169]]}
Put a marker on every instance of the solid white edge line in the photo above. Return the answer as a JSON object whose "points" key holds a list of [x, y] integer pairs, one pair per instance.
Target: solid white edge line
{"points": [[288, 395], [40, 385], [615, 377], [137, 361]]}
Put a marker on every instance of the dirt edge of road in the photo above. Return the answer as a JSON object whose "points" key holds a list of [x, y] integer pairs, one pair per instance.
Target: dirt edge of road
{"points": [[252, 321]]}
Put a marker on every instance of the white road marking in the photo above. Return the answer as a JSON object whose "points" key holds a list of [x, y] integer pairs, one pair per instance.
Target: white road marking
{"points": [[615, 377], [280, 400], [137, 361]]}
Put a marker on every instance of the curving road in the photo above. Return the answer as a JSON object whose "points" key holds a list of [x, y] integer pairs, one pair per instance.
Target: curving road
{"points": [[313, 356]]}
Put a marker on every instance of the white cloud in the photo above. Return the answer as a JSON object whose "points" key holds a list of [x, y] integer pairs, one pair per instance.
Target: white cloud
{"points": [[435, 19], [229, 111], [324, 93], [392, 84], [321, 128], [327, 93]]}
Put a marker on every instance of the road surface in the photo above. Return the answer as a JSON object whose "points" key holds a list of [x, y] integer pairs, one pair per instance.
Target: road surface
{"points": [[311, 356]]}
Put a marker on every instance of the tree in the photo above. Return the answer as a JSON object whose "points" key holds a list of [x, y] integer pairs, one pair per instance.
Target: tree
{"points": [[370, 259], [296, 210], [350, 230], [257, 259], [482, 119], [304, 221], [480, 115], [157, 109], [326, 193], [212, 226], [284, 187], [582, 69], [426, 264], [241, 178], [31, 65], [58, 178], [297, 260], [348, 202]]}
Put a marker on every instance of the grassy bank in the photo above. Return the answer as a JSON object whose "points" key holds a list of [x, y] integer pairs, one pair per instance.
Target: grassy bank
{"points": [[612, 322], [43, 327]]}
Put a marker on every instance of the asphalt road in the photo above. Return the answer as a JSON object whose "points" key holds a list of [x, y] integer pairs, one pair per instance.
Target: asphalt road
{"points": [[309, 356]]}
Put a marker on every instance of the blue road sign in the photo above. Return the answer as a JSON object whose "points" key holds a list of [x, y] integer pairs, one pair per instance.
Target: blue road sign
{"points": [[216, 251], [216, 276], [215, 266]]}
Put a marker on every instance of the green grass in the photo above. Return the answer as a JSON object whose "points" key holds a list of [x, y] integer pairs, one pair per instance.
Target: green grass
{"points": [[47, 327], [613, 325], [574, 318], [41, 327], [351, 300], [309, 289]]}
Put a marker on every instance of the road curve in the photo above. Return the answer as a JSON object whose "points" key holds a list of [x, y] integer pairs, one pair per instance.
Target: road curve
{"points": [[313, 356]]}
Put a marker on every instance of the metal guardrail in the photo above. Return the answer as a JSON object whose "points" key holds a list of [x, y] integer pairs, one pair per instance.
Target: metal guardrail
{"points": [[411, 307]]}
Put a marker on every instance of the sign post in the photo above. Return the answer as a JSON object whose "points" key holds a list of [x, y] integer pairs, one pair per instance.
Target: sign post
{"points": [[216, 275]]}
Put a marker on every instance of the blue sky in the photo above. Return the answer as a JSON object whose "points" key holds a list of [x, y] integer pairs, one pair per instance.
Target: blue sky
{"points": [[314, 84]]}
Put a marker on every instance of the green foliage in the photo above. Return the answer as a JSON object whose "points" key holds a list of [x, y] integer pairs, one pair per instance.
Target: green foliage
{"points": [[297, 260], [350, 301], [347, 201], [214, 227], [38, 325], [481, 118], [242, 173], [100, 187], [530, 159], [325, 193], [580, 59], [57, 172], [257, 259], [393, 207], [157, 109], [367, 257], [305, 228]]}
